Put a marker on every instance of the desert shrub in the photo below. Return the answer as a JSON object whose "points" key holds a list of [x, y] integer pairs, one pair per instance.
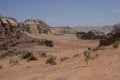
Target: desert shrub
{"points": [[97, 48], [11, 54], [51, 60], [13, 62], [2, 56], [75, 55], [116, 44], [87, 55], [64, 58], [1, 66]]}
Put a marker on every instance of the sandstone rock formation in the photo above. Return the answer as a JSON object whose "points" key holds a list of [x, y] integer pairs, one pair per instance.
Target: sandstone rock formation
{"points": [[62, 30], [35, 26], [11, 37], [8, 32], [38, 27]]}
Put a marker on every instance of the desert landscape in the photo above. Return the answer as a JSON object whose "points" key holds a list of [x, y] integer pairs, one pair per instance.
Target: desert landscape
{"points": [[59, 40], [66, 55]]}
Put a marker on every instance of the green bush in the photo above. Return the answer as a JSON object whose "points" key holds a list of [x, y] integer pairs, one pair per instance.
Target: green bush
{"points": [[1, 66], [116, 44], [51, 60], [64, 58]]}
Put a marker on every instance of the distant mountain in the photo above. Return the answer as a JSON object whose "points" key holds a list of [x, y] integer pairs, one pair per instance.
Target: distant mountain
{"points": [[62, 30], [106, 28]]}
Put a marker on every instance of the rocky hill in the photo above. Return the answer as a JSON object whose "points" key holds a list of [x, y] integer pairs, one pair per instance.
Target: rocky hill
{"points": [[35, 26], [11, 37], [38, 27], [62, 30]]}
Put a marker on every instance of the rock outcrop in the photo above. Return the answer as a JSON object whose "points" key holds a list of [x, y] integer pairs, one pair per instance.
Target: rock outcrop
{"points": [[62, 30], [79, 35], [38, 27], [8, 32], [35, 26], [11, 37], [113, 36], [93, 34]]}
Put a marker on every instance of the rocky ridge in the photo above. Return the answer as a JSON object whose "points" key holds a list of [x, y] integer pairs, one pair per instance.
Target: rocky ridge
{"points": [[38, 27]]}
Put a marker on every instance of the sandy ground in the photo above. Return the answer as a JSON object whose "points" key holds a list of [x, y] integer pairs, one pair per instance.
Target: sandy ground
{"points": [[104, 67]]}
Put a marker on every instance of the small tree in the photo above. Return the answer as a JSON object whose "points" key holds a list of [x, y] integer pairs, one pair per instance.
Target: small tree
{"points": [[51, 60]]}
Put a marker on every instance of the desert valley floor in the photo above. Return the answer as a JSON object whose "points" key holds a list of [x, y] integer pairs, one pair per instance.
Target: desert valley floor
{"points": [[104, 67]]}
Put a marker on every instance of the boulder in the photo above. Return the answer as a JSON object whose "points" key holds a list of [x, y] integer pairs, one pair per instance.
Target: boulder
{"points": [[29, 56]]}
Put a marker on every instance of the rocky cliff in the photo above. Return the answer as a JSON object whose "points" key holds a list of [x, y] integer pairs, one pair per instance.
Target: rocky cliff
{"points": [[12, 38], [35, 26]]}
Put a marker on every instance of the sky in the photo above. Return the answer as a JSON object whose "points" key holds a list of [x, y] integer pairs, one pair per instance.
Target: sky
{"points": [[64, 12]]}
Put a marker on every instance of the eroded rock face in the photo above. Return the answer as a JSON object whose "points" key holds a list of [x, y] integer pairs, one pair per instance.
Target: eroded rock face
{"points": [[113, 36], [38, 27], [62, 30], [8, 32], [93, 34], [35, 26], [12, 38]]}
